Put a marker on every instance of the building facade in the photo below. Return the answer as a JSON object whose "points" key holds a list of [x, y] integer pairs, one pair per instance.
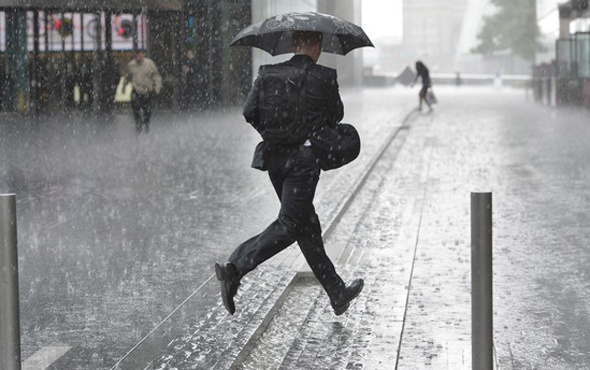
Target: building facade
{"points": [[225, 73], [443, 35], [349, 67], [549, 28], [52, 50], [57, 54], [431, 32], [562, 73], [66, 54]]}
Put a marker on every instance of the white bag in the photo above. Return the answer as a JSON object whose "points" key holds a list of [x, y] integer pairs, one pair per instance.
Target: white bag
{"points": [[430, 97]]}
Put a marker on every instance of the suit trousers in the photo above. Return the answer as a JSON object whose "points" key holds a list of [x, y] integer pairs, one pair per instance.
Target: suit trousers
{"points": [[294, 174], [142, 109]]}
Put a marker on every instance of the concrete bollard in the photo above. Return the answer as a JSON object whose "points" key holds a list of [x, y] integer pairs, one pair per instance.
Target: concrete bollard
{"points": [[9, 304], [481, 282]]}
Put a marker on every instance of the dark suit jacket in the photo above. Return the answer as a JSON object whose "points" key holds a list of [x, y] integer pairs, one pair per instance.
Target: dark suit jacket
{"points": [[324, 106]]}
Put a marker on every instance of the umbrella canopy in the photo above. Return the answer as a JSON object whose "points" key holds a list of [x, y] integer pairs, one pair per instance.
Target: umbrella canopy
{"points": [[406, 77], [273, 34]]}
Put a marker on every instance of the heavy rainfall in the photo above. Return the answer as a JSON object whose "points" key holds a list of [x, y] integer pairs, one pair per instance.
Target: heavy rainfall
{"points": [[128, 201]]}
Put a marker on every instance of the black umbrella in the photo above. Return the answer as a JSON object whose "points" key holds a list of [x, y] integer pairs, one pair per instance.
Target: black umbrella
{"points": [[273, 34]]}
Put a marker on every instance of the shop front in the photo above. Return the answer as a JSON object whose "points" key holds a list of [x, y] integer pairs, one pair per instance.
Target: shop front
{"points": [[566, 79], [71, 55]]}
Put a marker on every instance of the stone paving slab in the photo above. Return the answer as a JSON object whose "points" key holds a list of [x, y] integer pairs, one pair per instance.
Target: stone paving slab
{"points": [[437, 328], [211, 339]]}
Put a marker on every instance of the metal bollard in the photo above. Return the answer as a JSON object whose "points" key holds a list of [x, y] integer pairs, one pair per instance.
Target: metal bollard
{"points": [[481, 282], [9, 305]]}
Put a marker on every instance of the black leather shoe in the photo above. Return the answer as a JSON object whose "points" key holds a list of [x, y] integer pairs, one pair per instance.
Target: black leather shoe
{"points": [[229, 279], [350, 292]]}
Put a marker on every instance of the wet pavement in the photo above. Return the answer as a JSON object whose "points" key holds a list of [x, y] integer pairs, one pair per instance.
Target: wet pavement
{"points": [[117, 230]]}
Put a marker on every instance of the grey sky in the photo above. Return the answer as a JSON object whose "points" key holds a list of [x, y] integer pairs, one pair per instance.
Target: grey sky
{"points": [[382, 18]]}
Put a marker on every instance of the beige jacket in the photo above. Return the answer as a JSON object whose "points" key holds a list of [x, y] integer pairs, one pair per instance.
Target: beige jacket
{"points": [[144, 77]]}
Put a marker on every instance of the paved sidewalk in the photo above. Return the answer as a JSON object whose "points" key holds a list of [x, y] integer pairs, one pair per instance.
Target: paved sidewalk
{"points": [[117, 229], [407, 233]]}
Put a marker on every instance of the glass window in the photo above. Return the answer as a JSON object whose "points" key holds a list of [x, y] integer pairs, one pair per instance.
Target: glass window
{"points": [[582, 41], [123, 30], [91, 33], [54, 25], [564, 57], [42, 31], [77, 33], [29, 31], [66, 30], [2, 32]]}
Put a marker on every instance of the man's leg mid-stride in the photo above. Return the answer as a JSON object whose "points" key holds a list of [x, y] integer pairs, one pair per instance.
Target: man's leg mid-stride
{"points": [[147, 111], [295, 180], [136, 108]]}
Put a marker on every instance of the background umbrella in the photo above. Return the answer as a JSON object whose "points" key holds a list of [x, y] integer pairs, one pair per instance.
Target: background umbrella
{"points": [[406, 77], [273, 34]]}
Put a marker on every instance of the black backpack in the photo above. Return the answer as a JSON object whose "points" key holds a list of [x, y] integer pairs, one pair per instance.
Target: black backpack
{"points": [[283, 118]]}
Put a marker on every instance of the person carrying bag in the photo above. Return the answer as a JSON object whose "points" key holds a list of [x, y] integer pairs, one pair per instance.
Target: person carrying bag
{"points": [[296, 108], [284, 121]]}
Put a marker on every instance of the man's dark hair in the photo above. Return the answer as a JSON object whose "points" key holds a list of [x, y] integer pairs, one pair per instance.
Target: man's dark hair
{"points": [[304, 38]]}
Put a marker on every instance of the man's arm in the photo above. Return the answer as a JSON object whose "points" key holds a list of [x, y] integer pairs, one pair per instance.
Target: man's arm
{"points": [[338, 105]]}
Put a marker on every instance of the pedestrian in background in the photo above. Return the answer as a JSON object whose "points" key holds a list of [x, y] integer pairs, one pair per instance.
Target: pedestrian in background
{"points": [[191, 80], [294, 171], [458, 79], [146, 81], [424, 74], [71, 75]]}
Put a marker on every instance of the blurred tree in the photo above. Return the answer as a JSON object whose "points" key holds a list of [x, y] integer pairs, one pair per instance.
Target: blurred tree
{"points": [[512, 28]]}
